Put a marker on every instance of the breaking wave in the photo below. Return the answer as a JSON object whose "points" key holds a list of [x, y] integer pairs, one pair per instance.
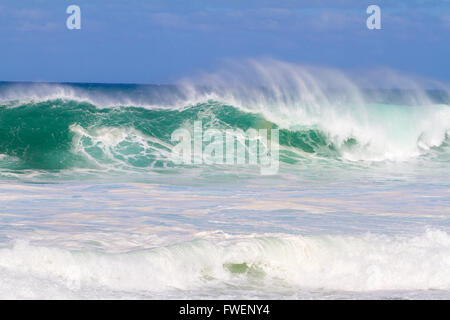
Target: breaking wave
{"points": [[321, 114], [287, 265]]}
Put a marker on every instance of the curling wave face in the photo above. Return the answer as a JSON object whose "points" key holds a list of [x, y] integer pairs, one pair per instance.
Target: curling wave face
{"points": [[322, 115], [60, 134]]}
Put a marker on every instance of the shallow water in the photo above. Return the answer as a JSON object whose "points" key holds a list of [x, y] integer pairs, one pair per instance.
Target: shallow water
{"points": [[81, 240]]}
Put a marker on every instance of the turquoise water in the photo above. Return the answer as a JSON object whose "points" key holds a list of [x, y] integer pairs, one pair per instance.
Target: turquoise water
{"points": [[92, 205]]}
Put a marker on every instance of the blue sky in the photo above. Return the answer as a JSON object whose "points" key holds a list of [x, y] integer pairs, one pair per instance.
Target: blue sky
{"points": [[158, 41]]}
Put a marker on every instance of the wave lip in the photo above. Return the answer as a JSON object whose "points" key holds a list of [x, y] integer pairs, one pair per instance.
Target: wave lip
{"points": [[285, 265]]}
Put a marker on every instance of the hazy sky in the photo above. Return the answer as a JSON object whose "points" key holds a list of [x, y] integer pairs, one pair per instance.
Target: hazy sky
{"points": [[157, 41]]}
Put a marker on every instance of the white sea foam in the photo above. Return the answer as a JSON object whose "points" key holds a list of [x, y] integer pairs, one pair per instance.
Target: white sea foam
{"points": [[113, 146], [284, 265]]}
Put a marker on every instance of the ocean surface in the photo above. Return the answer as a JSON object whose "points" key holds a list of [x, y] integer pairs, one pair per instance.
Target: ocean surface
{"points": [[92, 205]]}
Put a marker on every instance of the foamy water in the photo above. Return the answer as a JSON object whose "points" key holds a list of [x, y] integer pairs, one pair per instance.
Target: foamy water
{"points": [[141, 241], [92, 205]]}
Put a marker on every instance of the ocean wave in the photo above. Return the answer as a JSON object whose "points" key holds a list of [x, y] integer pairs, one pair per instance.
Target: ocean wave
{"points": [[321, 114], [283, 264], [61, 134]]}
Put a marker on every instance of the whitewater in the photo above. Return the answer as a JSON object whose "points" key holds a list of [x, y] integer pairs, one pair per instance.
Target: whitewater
{"points": [[93, 206]]}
